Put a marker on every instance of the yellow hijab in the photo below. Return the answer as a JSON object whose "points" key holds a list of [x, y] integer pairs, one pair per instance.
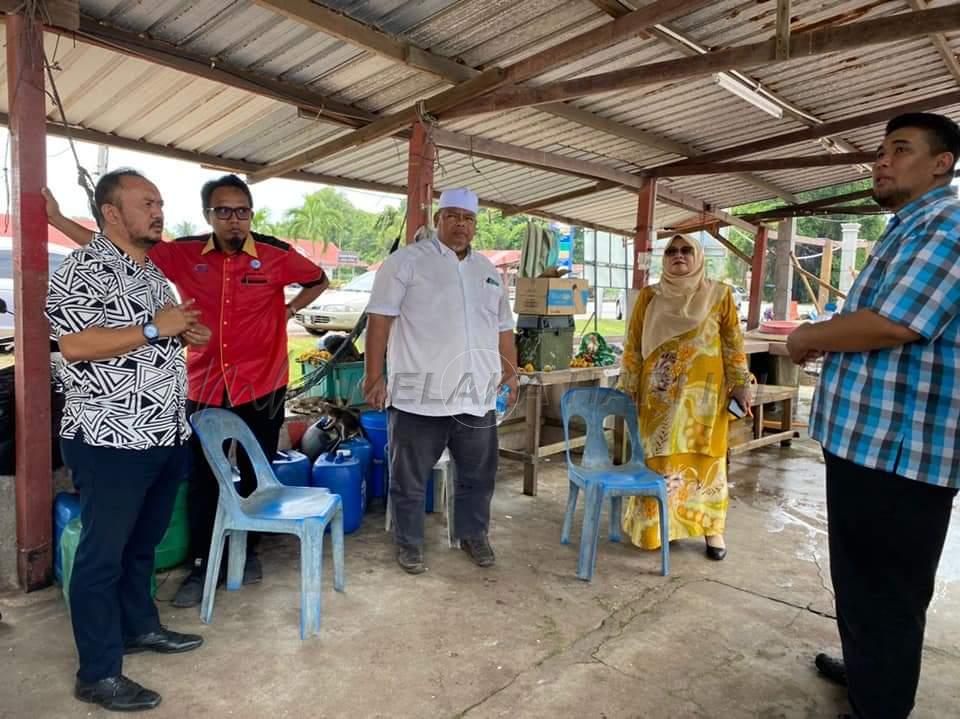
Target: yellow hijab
{"points": [[680, 302]]}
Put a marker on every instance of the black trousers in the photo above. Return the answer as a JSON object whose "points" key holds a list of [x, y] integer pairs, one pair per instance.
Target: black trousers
{"points": [[264, 417], [883, 579], [126, 499], [416, 443]]}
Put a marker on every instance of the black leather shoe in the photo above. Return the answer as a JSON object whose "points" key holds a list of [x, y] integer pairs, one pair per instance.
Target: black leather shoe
{"points": [[163, 642], [479, 550], [117, 694], [831, 668], [252, 570], [716, 553], [411, 560], [191, 591]]}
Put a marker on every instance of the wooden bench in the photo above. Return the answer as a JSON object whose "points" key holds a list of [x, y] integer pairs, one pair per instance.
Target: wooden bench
{"points": [[765, 394]]}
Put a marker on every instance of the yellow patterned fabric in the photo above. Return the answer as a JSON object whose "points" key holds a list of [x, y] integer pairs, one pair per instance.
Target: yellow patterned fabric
{"points": [[681, 391]]}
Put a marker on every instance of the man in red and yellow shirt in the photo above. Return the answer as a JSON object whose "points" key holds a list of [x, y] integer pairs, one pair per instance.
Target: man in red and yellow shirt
{"points": [[236, 278]]}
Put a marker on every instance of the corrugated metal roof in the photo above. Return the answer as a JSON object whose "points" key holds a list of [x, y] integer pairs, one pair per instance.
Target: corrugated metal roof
{"points": [[132, 98]]}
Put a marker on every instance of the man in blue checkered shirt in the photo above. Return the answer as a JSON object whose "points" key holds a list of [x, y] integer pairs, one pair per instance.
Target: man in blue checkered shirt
{"points": [[887, 412]]}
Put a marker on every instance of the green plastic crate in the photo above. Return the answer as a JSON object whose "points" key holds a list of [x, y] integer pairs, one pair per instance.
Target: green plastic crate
{"points": [[344, 383], [69, 540]]}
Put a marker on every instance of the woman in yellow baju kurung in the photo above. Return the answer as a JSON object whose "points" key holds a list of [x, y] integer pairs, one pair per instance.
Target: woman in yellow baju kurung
{"points": [[683, 361]]}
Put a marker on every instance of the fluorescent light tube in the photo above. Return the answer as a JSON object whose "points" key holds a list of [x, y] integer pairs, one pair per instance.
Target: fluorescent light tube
{"points": [[751, 96]]}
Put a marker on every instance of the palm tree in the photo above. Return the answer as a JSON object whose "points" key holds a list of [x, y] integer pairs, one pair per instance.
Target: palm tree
{"points": [[390, 221], [321, 218]]}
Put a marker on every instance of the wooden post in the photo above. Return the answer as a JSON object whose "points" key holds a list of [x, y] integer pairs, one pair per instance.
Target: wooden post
{"points": [[783, 270], [34, 484], [826, 272], [420, 181], [756, 277], [646, 227]]}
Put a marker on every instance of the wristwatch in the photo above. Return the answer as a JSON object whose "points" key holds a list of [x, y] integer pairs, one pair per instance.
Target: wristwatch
{"points": [[151, 332]]}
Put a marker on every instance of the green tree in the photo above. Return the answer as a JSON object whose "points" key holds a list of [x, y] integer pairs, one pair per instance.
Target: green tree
{"points": [[871, 229]]}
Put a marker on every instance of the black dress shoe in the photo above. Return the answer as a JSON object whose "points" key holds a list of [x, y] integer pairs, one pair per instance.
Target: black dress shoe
{"points": [[479, 550], [163, 642], [411, 560], [117, 694], [831, 668], [191, 591], [716, 553], [252, 570]]}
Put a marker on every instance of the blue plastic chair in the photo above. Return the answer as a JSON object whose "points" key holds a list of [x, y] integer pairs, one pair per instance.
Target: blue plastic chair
{"points": [[272, 507], [601, 479]]}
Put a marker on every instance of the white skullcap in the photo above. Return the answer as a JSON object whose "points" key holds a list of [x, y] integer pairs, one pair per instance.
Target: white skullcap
{"points": [[461, 198]]}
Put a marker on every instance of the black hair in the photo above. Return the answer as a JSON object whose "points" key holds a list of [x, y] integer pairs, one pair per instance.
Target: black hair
{"points": [[943, 134], [206, 192], [107, 191]]}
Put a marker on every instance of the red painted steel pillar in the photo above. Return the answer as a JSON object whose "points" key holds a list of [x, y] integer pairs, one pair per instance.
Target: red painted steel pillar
{"points": [[34, 484], [420, 181], [758, 269], [646, 227]]}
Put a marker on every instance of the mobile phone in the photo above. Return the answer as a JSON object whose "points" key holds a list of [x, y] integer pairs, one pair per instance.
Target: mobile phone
{"points": [[735, 409]]}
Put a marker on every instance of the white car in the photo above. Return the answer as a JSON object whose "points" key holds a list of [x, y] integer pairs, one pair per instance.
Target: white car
{"points": [[740, 297], [56, 255], [338, 309]]}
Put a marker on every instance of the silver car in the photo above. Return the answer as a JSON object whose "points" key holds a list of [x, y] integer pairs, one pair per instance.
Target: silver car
{"points": [[338, 309], [56, 255]]}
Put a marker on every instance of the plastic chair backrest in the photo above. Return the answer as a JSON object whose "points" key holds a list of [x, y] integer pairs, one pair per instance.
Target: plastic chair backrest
{"points": [[594, 405], [215, 427]]}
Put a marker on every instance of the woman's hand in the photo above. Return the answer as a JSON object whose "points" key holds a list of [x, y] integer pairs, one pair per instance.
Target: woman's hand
{"points": [[742, 394]]}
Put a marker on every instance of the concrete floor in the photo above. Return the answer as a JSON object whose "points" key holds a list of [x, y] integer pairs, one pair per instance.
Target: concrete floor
{"points": [[524, 639]]}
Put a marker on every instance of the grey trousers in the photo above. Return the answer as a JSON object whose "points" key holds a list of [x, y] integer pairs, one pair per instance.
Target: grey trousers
{"points": [[415, 444]]}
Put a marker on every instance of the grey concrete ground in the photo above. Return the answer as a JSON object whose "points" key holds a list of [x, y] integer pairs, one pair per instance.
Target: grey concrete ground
{"points": [[524, 639]]}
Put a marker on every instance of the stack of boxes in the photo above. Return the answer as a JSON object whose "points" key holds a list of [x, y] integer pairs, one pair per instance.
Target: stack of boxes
{"points": [[545, 326]]}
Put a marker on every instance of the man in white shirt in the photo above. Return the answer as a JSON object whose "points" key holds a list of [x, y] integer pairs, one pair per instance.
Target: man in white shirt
{"points": [[440, 316]]}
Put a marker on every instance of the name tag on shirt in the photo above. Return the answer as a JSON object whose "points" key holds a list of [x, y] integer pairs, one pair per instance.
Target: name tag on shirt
{"points": [[254, 279]]}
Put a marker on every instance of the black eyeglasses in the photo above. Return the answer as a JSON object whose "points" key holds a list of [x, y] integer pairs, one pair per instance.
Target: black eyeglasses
{"points": [[685, 250], [224, 213]]}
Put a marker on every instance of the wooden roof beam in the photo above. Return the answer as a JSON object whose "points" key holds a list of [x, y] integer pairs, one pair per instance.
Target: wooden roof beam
{"points": [[385, 125], [941, 43], [356, 33], [772, 165], [563, 197], [812, 43], [827, 128], [783, 30], [468, 90], [143, 47]]}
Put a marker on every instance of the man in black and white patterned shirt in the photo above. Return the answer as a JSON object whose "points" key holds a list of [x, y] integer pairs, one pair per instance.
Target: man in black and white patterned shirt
{"points": [[123, 434]]}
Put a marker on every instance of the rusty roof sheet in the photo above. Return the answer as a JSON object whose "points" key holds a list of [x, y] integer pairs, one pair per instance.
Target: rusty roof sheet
{"points": [[131, 98]]}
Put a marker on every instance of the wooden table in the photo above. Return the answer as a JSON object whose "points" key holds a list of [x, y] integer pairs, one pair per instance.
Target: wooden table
{"points": [[532, 395], [768, 394]]}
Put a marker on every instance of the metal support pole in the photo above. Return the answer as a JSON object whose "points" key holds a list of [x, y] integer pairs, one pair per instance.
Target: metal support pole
{"points": [[756, 277], [420, 181]]}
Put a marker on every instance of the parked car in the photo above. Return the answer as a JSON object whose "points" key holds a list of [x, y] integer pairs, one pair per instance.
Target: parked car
{"points": [[338, 309], [740, 296], [56, 254]]}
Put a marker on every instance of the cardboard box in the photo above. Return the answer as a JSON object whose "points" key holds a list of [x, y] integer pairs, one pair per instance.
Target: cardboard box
{"points": [[551, 296]]}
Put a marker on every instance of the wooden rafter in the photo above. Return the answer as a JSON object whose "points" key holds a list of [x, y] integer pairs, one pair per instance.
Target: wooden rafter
{"points": [[941, 43], [377, 41], [812, 43], [227, 165], [563, 197], [771, 165], [386, 125], [141, 46], [812, 205], [783, 30], [827, 128], [567, 51]]}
